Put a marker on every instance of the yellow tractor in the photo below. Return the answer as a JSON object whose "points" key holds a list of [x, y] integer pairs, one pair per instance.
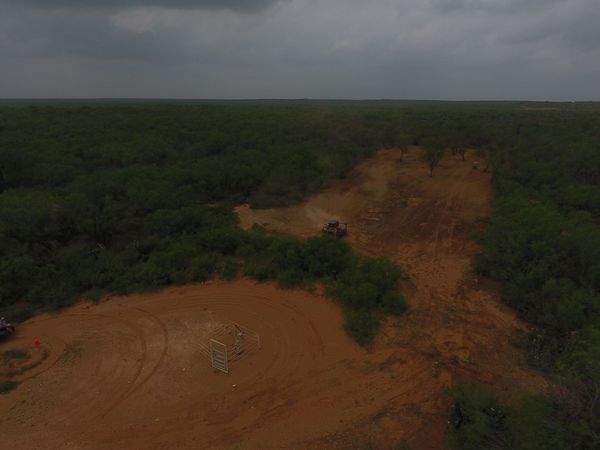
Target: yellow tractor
{"points": [[335, 228]]}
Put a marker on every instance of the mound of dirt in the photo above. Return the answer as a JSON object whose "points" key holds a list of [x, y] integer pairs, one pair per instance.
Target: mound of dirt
{"points": [[133, 372]]}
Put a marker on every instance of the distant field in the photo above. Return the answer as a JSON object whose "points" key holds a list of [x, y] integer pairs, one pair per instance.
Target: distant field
{"points": [[444, 104]]}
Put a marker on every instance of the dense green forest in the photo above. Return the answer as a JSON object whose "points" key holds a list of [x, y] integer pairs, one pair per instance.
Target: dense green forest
{"points": [[119, 198], [543, 244]]}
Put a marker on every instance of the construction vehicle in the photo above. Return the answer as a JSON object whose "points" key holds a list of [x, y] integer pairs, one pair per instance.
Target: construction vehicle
{"points": [[6, 329], [335, 228]]}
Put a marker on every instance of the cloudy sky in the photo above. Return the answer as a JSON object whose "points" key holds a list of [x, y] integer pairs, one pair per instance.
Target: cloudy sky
{"points": [[415, 49]]}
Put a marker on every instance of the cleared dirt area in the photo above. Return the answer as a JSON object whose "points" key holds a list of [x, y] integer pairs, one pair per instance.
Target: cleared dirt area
{"points": [[456, 327], [132, 372]]}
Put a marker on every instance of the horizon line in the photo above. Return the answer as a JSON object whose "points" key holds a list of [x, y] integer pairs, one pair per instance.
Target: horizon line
{"points": [[296, 99]]}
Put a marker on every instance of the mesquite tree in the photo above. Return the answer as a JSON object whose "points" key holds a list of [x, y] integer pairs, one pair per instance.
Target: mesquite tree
{"points": [[432, 155]]}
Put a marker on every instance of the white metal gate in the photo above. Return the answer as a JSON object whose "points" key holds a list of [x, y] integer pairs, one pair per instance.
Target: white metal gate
{"points": [[218, 356]]}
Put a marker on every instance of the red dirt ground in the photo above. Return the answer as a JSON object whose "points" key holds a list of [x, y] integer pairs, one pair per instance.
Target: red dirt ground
{"points": [[130, 373]]}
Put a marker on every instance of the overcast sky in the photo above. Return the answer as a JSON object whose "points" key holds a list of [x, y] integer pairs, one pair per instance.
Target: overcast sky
{"points": [[403, 49]]}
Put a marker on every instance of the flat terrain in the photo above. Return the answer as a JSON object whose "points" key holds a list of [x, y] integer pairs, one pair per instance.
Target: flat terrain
{"points": [[132, 372]]}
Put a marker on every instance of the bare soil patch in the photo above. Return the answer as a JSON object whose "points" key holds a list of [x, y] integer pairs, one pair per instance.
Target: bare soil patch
{"points": [[456, 327], [130, 372]]}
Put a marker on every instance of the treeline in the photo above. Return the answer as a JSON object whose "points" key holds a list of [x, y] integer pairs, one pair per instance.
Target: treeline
{"points": [[177, 155], [543, 244]]}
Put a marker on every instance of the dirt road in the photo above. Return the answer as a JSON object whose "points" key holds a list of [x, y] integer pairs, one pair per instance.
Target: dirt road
{"points": [[456, 328], [132, 372]]}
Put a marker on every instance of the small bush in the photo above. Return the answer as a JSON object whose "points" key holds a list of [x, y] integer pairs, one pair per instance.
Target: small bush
{"points": [[7, 386], [393, 303], [202, 267], [479, 421], [476, 420], [258, 270], [12, 355], [290, 278], [366, 282], [362, 325], [95, 295], [229, 269], [357, 295]]}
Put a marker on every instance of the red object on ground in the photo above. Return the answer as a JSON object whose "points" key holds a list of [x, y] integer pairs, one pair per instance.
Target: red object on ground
{"points": [[37, 342]]}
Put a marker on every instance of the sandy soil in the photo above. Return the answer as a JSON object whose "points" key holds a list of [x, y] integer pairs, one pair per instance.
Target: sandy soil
{"points": [[132, 372]]}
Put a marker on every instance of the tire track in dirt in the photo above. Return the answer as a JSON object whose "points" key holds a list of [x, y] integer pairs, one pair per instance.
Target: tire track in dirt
{"points": [[133, 384], [88, 411], [280, 361], [46, 365], [163, 353], [276, 354]]}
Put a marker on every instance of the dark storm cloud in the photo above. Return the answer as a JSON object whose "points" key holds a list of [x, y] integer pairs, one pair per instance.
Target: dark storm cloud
{"points": [[491, 5], [451, 49], [88, 36], [235, 5]]}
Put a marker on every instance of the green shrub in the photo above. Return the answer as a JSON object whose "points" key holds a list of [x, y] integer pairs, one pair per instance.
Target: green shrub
{"points": [[291, 278], [365, 283], [477, 420], [533, 424], [326, 256], [393, 303], [7, 386], [259, 271], [362, 325], [357, 294], [12, 355], [228, 269], [202, 267]]}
